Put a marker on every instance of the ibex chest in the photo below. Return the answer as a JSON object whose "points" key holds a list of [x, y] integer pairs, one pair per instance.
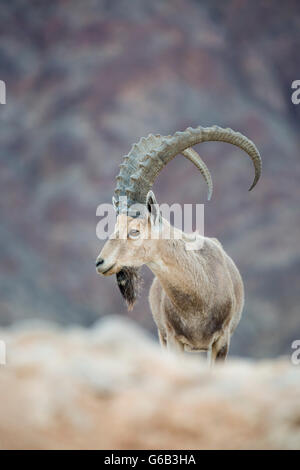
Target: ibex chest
{"points": [[195, 321]]}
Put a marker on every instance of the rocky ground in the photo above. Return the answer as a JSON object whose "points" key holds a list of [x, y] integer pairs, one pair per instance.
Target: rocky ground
{"points": [[110, 387]]}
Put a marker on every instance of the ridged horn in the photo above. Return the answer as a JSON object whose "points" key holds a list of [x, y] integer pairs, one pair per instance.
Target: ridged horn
{"points": [[195, 158], [147, 158]]}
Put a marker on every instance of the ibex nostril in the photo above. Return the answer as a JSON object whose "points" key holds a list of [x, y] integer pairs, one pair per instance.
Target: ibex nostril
{"points": [[99, 262]]}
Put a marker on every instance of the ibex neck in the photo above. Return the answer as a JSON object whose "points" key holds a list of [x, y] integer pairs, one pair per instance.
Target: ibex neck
{"points": [[178, 269]]}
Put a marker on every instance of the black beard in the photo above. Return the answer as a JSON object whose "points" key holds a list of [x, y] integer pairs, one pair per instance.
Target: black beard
{"points": [[129, 282]]}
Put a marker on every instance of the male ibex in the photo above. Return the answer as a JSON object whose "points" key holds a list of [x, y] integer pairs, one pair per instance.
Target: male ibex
{"points": [[196, 297]]}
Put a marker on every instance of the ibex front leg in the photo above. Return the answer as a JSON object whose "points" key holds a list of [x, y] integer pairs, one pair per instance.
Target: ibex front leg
{"points": [[218, 350], [173, 344], [162, 340]]}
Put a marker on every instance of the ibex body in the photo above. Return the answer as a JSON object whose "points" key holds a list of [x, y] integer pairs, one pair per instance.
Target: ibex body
{"points": [[197, 295]]}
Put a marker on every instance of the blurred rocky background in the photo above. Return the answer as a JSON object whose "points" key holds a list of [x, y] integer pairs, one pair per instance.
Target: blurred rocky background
{"points": [[109, 387], [86, 79]]}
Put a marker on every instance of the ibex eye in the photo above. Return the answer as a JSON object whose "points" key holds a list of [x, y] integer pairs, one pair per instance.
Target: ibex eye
{"points": [[134, 233]]}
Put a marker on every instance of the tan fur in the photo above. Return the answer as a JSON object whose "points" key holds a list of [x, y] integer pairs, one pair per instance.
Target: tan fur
{"points": [[196, 297]]}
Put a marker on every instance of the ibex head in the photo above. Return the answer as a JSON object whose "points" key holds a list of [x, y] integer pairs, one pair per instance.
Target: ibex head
{"points": [[130, 246]]}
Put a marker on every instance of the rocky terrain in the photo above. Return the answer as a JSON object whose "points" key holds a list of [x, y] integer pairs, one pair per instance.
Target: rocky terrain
{"points": [[110, 387], [86, 79]]}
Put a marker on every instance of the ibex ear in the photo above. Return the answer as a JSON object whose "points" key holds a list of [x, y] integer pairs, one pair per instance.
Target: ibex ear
{"points": [[152, 207]]}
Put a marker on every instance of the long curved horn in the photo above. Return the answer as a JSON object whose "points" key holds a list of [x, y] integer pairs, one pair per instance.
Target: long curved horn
{"points": [[146, 159], [195, 158]]}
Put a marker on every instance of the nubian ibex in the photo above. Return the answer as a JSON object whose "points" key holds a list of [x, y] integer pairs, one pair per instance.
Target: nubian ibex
{"points": [[197, 296]]}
